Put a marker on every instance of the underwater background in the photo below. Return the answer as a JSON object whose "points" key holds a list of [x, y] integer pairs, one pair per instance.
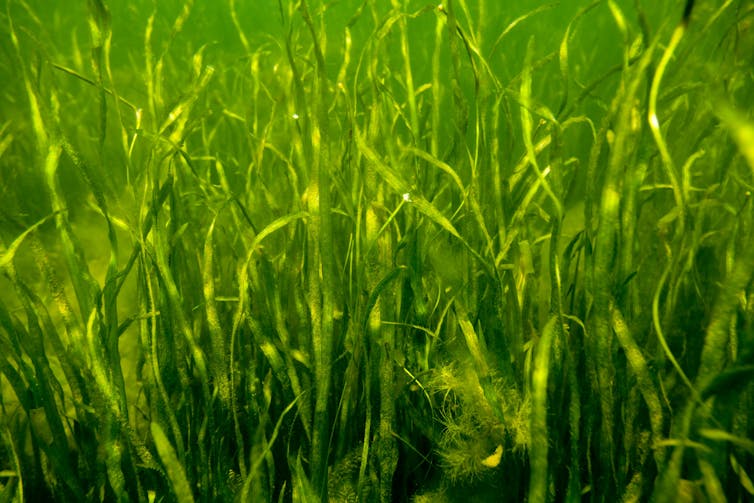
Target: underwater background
{"points": [[378, 250]]}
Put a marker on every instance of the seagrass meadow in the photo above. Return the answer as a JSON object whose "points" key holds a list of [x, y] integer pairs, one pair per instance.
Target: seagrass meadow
{"points": [[376, 251]]}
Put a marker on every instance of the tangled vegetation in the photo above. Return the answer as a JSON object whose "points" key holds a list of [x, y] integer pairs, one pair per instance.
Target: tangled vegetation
{"points": [[376, 251]]}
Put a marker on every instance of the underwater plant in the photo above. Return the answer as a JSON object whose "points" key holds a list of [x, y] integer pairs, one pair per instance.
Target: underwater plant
{"points": [[376, 251]]}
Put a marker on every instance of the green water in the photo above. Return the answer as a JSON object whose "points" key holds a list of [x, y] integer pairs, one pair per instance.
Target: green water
{"points": [[376, 251]]}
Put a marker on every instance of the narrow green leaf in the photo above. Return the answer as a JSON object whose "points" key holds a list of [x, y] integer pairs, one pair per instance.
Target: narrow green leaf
{"points": [[173, 467], [9, 253]]}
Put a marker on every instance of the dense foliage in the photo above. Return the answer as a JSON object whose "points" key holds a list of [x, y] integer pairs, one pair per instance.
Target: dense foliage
{"points": [[376, 251]]}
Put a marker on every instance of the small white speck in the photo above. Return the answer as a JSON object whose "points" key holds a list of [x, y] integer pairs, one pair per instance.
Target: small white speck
{"points": [[407, 197], [295, 116]]}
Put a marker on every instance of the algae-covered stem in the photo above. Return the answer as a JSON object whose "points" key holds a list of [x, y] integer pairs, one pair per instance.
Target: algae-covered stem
{"points": [[320, 250]]}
